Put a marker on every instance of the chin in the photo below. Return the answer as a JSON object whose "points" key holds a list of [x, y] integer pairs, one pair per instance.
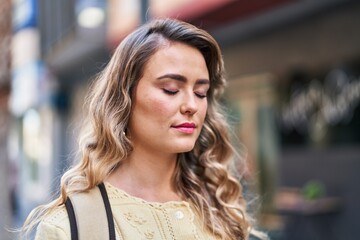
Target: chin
{"points": [[183, 149]]}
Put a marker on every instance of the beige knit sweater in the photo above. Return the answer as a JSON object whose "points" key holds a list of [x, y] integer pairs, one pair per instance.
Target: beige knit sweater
{"points": [[135, 219]]}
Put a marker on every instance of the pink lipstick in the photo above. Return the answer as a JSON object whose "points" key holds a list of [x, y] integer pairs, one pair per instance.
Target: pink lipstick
{"points": [[186, 127]]}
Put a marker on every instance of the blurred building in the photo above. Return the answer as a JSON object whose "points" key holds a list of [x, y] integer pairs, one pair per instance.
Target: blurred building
{"points": [[293, 72], [6, 186], [51, 54], [30, 134]]}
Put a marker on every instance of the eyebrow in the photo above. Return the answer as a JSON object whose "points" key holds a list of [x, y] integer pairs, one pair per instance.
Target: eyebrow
{"points": [[182, 78]]}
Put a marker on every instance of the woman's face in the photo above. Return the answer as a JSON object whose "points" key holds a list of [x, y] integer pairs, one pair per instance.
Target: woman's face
{"points": [[170, 101]]}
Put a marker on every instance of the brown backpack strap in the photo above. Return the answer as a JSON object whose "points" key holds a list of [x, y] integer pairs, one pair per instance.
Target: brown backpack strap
{"points": [[93, 215]]}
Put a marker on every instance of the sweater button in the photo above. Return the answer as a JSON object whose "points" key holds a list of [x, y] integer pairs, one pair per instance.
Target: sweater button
{"points": [[179, 215]]}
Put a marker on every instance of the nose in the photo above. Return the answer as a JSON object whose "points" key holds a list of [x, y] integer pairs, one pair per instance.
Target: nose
{"points": [[189, 105]]}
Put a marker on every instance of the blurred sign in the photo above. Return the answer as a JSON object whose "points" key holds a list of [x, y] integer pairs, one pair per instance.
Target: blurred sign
{"points": [[323, 103], [25, 14]]}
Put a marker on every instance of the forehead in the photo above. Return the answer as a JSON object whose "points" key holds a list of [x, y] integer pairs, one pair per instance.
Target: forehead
{"points": [[177, 56]]}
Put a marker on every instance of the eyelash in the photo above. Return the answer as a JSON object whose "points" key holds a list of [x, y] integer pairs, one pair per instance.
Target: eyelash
{"points": [[170, 92], [200, 95]]}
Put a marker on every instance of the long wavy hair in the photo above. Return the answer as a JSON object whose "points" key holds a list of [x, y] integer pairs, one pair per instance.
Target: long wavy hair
{"points": [[202, 175]]}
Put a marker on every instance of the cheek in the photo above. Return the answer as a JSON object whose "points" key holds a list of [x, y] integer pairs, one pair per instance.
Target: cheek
{"points": [[158, 108], [203, 111]]}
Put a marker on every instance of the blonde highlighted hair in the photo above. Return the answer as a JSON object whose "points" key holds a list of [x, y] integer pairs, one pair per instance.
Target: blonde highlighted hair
{"points": [[202, 175]]}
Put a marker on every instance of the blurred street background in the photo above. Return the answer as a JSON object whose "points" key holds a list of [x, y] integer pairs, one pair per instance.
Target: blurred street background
{"points": [[293, 71]]}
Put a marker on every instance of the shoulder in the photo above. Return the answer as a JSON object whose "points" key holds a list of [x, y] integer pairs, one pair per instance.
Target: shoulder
{"points": [[54, 226]]}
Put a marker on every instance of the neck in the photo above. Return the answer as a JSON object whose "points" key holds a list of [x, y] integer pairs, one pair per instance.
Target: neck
{"points": [[147, 176]]}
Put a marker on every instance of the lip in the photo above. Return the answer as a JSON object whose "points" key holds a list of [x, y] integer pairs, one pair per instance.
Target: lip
{"points": [[186, 127]]}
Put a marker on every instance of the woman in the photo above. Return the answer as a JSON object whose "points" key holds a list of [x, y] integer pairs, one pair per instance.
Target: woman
{"points": [[158, 141]]}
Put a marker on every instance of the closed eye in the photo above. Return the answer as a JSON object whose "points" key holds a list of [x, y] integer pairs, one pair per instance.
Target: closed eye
{"points": [[170, 92], [200, 95]]}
